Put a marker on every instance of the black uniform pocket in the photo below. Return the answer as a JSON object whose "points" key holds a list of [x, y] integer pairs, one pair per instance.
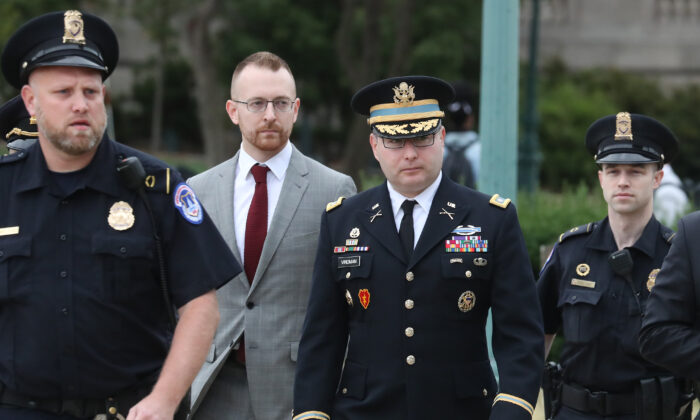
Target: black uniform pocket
{"points": [[465, 284], [10, 250], [353, 382], [127, 264], [580, 321]]}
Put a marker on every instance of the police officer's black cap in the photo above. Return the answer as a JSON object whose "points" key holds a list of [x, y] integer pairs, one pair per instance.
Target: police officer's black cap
{"points": [[404, 107], [70, 39], [629, 139], [15, 122]]}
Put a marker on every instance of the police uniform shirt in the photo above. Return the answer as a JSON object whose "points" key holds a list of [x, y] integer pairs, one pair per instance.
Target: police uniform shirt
{"points": [[81, 310], [415, 330], [595, 309]]}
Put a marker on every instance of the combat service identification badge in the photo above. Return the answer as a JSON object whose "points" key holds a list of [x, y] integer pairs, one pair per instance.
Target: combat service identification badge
{"points": [[652, 279], [121, 216], [466, 301], [363, 294]]}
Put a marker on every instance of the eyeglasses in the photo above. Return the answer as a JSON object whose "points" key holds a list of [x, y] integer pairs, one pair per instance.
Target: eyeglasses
{"points": [[260, 104], [423, 141]]}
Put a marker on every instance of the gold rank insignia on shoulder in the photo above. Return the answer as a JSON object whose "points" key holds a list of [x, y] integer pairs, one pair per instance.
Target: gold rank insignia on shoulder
{"points": [[499, 201], [73, 28], [583, 269], [333, 204], [121, 216], [652, 279]]}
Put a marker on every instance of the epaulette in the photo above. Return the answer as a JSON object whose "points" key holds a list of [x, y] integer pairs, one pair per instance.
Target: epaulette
{"points": [[578, 230], [498, 201], [333, 204], [158, 179], [14, 157], [668, 234]]}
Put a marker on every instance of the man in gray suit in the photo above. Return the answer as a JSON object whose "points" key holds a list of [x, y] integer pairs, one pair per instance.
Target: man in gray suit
{"points": [[267, 202]]}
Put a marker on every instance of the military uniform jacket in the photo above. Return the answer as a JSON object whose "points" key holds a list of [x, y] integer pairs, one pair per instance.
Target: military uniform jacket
{"points": [[671, 328], [595, 308], [81, 309], [415, 329]]}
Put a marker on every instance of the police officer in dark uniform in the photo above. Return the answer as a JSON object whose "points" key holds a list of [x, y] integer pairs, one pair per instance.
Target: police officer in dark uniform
{"points": [[17, 128], [405, 275], [92, 260], [595, 284]]}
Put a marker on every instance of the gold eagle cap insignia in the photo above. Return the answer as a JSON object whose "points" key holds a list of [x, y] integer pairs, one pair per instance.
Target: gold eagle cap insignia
{"points": [[403, 93]]}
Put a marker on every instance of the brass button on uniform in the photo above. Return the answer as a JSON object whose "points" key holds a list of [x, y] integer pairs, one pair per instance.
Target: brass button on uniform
{"points": [[411, 360], [410, 276], [345, 390], [408, 304], [347, 276], [485, 392], [409, 332], [468, 274]]}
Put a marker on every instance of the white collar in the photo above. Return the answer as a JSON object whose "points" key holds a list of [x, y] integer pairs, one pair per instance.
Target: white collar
{"points": [[278, 164], [424, 199]]}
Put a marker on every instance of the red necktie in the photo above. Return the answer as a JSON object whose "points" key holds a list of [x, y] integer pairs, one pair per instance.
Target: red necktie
{"points": [[255, 232], [256, 224]]}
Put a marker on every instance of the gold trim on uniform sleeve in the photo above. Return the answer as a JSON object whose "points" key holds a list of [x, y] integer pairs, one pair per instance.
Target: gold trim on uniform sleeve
{"points": [[515, 400], [308, 415]]}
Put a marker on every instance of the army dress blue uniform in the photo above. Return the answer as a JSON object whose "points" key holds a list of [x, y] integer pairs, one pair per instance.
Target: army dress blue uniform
{"points": [[82, 317], [671, 330], [597, 312], [415, 329]]}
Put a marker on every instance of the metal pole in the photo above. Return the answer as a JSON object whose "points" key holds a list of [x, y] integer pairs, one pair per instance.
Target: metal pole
{"points": [[530, 156], [498, 123]]}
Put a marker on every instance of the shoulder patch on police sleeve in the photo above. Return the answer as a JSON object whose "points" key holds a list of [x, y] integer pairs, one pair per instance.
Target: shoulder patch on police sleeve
{"points": [[578, 230], [187, 204], [499, 201], [333, 204], [158, 180]]}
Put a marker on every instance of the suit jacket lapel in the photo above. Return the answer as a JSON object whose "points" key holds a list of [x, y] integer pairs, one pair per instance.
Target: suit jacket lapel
{"points": [[293, 188], [382, 227], [439, 223]]}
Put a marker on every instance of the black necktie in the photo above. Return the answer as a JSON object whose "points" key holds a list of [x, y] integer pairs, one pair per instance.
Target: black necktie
{"points": [[406, 228]]}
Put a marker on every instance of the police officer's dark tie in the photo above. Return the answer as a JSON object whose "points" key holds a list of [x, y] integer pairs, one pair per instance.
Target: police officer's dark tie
{"points": [[255, 232], [406, 227]]}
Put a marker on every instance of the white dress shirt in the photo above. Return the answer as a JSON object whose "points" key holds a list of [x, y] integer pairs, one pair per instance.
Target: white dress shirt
{"points": [[420, 211], [244, 188]]}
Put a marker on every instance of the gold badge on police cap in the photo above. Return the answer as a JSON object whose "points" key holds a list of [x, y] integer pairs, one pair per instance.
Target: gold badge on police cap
{"points": [[583, 269], [623, 126], [466, 301], [652, 279], [73, 28], [121, 216]]}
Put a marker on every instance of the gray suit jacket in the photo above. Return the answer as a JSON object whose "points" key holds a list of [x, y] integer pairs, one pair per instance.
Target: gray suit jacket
{"points": [[271, 311]]}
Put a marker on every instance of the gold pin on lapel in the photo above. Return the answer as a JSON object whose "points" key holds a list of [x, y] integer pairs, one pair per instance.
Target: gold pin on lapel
{"points": [[447, 213], [451, 204], [375, 215]]}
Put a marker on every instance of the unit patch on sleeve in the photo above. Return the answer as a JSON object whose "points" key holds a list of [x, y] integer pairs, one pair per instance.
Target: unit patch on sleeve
{"points": [[186, 202]]}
